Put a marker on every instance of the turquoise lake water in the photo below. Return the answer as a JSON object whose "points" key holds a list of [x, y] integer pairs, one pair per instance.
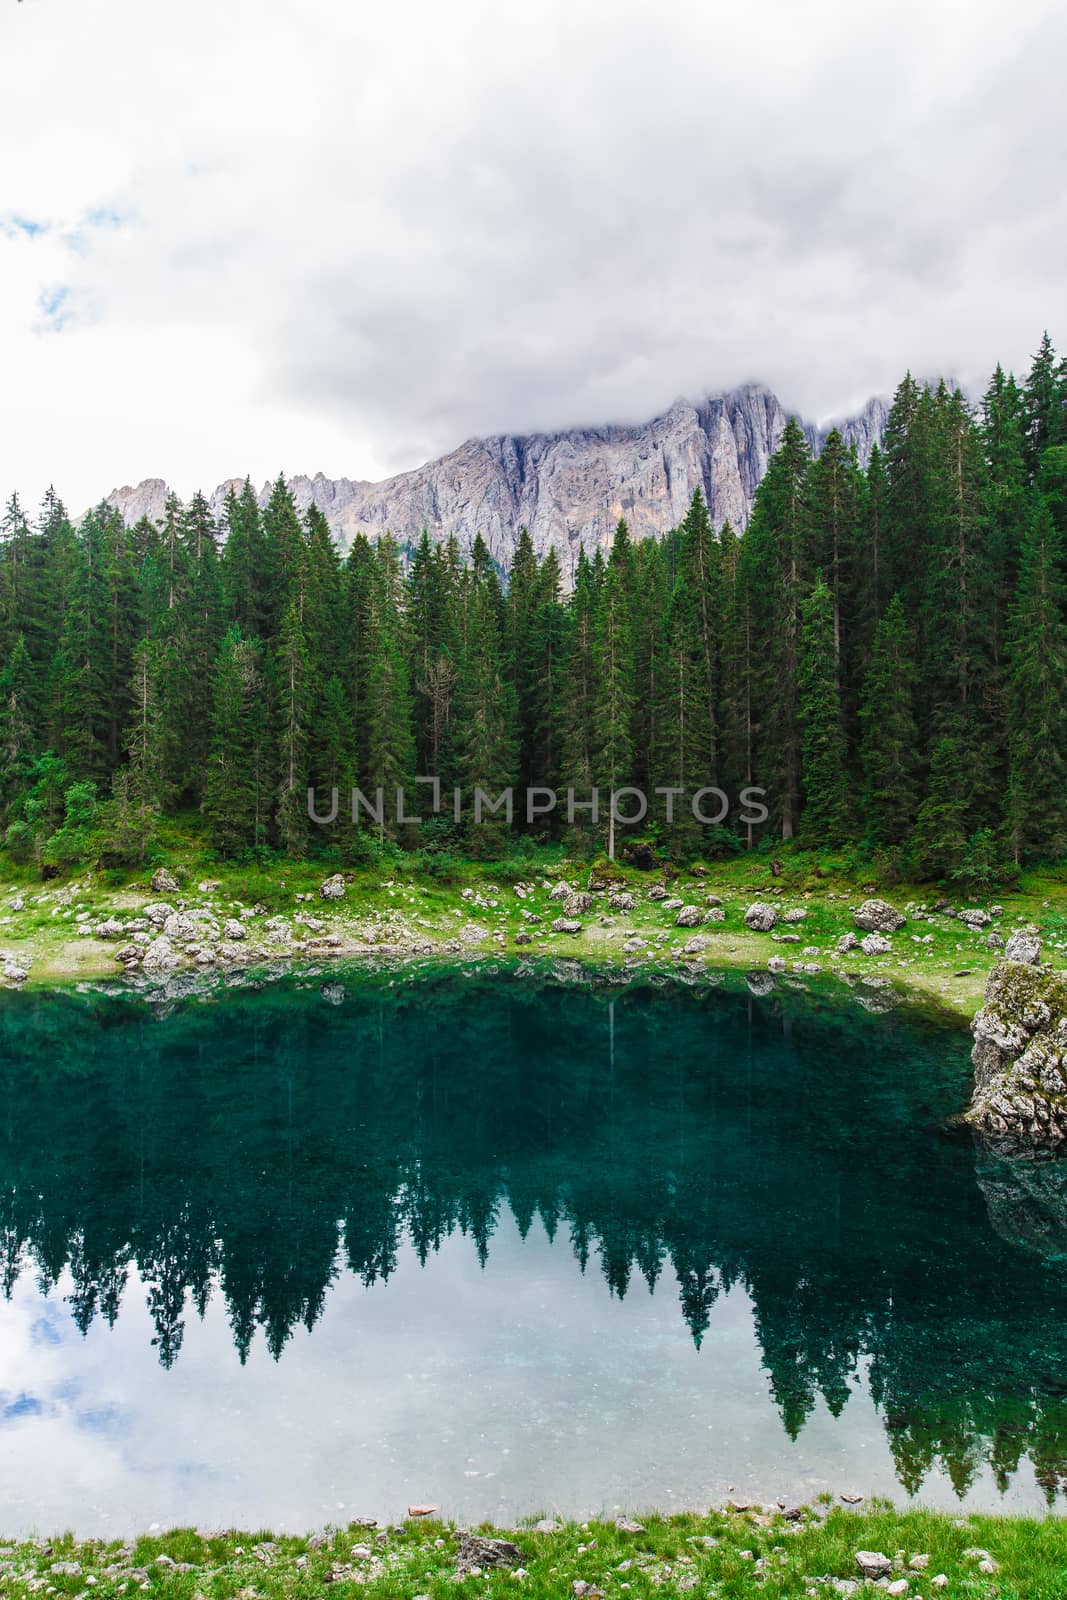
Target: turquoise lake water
{"points": [[509, 1245]]}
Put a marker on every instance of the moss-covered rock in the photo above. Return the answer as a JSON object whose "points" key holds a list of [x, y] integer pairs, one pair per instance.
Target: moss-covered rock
{"points": [[1020, 1057]]}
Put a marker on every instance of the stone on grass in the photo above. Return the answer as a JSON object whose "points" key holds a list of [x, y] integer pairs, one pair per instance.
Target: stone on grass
{"points": [[164, 882], [715, 914], [689, 917], [628, 1525], [760, 917], [1023, 946], [577, 902], [566, 925], [333, 888], [873, 1564], [157, 912], [547, 1525], [878, 916], [657, 892], [160, 956], [876, 944], [561, 890], [794, 914], [111, 929], [622, 902], [179, 925], [476, 1552], [974, 918]]}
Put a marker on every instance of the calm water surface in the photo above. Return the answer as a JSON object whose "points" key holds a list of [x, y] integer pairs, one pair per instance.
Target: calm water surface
{"points": [[508, 1246]]}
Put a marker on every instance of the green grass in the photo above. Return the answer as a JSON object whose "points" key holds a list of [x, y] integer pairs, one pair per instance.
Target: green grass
{"points": [[727, 1554], [406, 902]]}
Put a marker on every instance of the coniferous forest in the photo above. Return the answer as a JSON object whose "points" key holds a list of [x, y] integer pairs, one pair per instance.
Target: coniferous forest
{"points": [[883, 651]]}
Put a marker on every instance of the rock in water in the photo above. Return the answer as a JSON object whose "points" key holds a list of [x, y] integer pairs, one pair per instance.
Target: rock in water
{"points": [[878, 916], [760, 917]]}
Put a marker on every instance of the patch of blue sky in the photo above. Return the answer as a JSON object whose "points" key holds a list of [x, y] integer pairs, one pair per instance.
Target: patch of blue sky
{"points": [[55, 309], [102, 219], [110, 1420], [46, 1330], [14, 226], [12, 1407]]}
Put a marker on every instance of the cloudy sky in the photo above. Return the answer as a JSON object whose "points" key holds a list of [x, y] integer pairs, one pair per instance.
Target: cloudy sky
{"points": [[246, 235]]}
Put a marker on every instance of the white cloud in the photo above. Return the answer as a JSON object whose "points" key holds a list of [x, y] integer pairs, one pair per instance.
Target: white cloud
{"points": [[331, 236]]}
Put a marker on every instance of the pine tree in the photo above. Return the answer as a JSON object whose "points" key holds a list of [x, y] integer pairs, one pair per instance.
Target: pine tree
{"points": [[776, 577], [611, 735], [236, 801], [889, 746], [939, 838], [484, 721], [1037, 711], [826, 816], [17, 740], [293, 706]]}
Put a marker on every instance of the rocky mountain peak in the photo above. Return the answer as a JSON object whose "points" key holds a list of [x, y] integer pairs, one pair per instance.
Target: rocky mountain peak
{"points": [[568, 488]]}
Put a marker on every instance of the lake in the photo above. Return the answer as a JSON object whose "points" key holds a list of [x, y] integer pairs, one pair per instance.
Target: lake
{"points": [[508, 1245]]}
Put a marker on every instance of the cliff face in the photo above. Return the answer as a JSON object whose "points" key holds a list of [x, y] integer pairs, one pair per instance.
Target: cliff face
{"points": [[569, 488], [1020, 1056]]}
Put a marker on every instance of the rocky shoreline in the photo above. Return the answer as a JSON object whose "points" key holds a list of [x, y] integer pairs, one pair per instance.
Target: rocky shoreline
{"points": [[159, 931]]}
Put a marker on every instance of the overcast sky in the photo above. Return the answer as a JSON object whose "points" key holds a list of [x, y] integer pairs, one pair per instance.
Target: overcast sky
{"points": [[247, 235]]}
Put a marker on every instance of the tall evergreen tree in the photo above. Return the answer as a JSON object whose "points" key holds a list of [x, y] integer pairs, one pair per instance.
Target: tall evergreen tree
{"points": [[827, 805]]}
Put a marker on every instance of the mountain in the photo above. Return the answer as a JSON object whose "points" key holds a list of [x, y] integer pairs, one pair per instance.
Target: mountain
{"points": [[569, 488]]}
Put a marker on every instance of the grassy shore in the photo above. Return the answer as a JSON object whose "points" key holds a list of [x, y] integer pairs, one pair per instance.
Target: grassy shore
{"points": [[475, 910], [791, 1551]]}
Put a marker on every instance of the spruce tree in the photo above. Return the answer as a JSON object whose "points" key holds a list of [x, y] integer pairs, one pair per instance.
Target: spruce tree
{"points": [[1037, 709], [889, 743], [826, 815]]}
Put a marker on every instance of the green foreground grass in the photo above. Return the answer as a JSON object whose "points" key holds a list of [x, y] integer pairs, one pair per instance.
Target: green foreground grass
{"points": [[397, 907], [733, 1553]]}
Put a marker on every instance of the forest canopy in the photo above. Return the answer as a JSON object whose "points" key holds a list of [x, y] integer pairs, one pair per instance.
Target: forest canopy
{"points": [[883, 650]]}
